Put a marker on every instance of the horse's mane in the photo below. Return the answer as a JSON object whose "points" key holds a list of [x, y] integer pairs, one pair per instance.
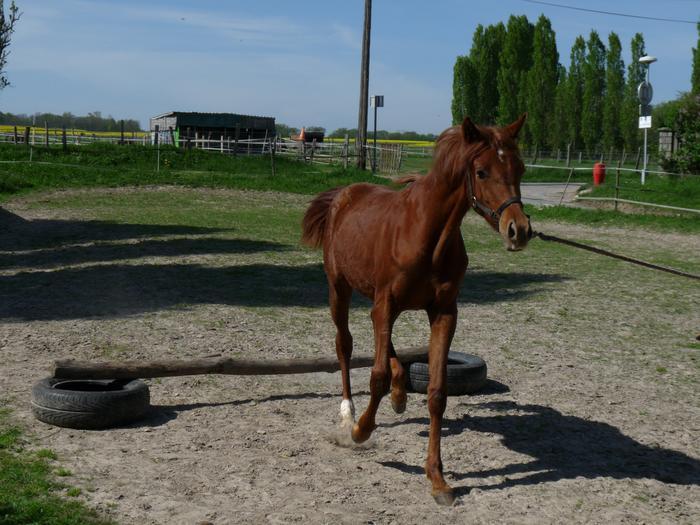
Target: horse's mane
{"points": [[451, 158]]}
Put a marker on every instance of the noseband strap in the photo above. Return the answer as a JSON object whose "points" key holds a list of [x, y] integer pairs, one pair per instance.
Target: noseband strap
{"points": [[495, 215]]}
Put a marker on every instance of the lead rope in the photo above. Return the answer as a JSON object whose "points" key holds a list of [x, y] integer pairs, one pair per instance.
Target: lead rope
{"points": [[600, 251]]}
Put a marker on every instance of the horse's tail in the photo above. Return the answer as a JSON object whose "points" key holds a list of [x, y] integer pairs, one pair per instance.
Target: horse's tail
{"points": [[316, 217]]}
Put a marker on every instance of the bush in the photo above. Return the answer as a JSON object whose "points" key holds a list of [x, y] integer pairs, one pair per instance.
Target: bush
{"points": [[687, 125]]}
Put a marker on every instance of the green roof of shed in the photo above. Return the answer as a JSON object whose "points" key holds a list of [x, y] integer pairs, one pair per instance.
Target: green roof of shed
{"points": [[218, 120]]}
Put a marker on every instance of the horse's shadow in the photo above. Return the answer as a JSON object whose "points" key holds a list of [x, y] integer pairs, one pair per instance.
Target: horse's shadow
{"points": [[563, 447]]}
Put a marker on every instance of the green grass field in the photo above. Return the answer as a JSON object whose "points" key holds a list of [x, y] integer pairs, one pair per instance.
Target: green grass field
{"points": [[29, 489], [109, 165]]}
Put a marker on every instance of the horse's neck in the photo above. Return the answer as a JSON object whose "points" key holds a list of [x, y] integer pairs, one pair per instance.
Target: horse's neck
{"points": [[447, 204]]}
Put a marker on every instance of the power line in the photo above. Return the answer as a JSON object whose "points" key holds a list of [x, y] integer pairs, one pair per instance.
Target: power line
{"points": [[677, 20]]}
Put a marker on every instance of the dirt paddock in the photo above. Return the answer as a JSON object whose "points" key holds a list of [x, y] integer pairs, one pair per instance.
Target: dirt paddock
{"points": [[592, 413]]}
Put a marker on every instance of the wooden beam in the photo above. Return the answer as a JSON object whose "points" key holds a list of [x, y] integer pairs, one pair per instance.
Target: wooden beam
{"points": [[72, 369]]}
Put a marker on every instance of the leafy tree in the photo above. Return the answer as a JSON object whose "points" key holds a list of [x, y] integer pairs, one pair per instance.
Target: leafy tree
{"points": [[92, 122], [593, 92], [560, 124], [283, 130], [614, 94], [7, 27], [542, 82], [485, 55], [687, 126], [630, 111], [515, 61], [464, 100], [695, 75], [575, 91]]}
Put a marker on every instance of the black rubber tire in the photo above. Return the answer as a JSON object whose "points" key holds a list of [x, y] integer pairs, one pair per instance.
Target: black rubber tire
{"points": [[89, 404], [466, 374]]}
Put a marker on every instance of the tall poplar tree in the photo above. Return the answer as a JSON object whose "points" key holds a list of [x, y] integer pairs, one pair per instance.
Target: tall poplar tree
{"points": [[575, 91], [464, 96], [515, 61], [614, 94], [542, 82], [593, 92], [630, 112], [695, 74], [485, 55], [559, 131]]}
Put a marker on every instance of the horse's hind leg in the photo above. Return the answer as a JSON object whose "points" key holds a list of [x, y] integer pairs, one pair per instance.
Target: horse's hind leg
{"points": [[398, 382], [339, 295], [383, 320]]}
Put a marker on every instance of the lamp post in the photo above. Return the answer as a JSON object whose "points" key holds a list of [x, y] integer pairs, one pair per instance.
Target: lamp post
{"points": [[377, 101], [645, 94]]}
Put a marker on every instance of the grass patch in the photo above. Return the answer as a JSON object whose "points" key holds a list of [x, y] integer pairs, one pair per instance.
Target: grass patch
{"points": [[610, 218], [109, 165], [671, 190], [27, 490]]}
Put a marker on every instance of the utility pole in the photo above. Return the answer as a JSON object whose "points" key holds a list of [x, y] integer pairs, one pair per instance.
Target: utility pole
{"points": [[361, 138]]}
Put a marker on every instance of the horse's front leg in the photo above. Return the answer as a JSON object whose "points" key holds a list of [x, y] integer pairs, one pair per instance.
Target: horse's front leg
{"points": [[382, 319], [442, 328]]}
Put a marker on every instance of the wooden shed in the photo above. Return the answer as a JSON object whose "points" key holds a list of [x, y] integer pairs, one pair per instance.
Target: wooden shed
{"points": [[179, 126]]}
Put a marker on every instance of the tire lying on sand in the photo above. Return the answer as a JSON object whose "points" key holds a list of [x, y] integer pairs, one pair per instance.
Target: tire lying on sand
{"points": [[89, 404], [466, 374]]}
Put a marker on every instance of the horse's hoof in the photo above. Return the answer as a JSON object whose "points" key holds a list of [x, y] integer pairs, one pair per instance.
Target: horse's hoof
{"points": [[358, 436], [399, 405], [445, 497]]}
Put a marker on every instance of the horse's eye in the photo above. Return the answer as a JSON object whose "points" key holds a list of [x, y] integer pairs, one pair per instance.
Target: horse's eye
{"points": [[481, 174]]}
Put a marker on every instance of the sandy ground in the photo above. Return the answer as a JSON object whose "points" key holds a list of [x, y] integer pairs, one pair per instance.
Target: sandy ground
{"points": [[592, 413]]}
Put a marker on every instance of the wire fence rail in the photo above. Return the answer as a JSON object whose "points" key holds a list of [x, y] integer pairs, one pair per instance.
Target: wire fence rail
{"points": [[384, 158]]}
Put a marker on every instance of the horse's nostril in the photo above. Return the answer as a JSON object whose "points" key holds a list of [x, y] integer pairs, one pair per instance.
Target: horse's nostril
{"points": [[512, 233]]}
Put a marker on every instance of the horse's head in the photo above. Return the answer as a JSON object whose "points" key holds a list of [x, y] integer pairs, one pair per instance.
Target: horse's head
{"points": [[493, 178]]}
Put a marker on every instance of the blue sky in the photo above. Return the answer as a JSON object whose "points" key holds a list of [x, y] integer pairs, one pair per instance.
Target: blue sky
{"points": [[298, 61]]}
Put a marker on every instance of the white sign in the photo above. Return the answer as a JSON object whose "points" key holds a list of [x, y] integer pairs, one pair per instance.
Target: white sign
{"points": [[645, 122], [377, 101]]}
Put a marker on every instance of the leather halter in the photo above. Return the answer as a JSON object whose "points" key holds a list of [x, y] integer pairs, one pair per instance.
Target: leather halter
{"points": [[479, 206]]}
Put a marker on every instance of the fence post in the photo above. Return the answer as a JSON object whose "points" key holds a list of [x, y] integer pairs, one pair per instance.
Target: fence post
{"points": [[236, 136], [580, 157], [46, 134], [121, 133], [221, 144], [617, 182], [27, 130], [568, 154], [534, 159], [624, 155], [273, 146], [64, 139], [398, 166], [157, 145], [313, 150], [563, 193], [639, 155], [346, 147]]}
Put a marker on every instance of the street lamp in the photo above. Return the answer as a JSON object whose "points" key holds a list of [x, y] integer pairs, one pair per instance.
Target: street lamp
{"points": [[645, 94]]}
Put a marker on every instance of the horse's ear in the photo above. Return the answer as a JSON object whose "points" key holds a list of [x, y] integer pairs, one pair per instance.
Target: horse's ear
{"points": [[470, 131], [514, 128]]}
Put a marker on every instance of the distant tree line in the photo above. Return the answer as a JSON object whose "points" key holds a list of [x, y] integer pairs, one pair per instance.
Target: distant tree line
{"points": [[385, 135], [515, 68], [287, 131], [92, 122]]}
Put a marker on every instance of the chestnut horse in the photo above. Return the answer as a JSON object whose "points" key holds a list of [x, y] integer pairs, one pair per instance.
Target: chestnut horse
{"points": [[404, 250]]}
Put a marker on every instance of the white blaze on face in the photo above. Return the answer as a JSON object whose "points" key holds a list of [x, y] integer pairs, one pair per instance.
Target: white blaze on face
{"points": [[500, 155]]}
